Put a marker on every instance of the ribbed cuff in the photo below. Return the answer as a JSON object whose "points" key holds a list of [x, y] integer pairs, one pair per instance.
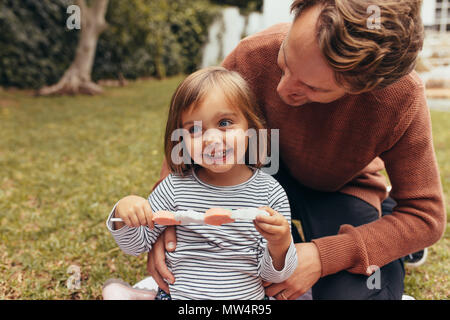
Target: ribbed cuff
{"points": [[268, 271], [344, 251], [110, 225]]}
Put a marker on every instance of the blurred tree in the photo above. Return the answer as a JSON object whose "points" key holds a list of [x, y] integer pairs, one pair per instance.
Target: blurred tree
{"points": [[153, 38], [77, 78], [144, 38], [245, 6], [35, 46]]}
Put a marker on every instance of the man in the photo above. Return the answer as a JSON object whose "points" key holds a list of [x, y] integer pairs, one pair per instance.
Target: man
{"points": [[348, 104]]}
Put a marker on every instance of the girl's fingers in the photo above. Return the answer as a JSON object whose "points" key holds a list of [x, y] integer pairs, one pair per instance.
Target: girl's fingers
{"points": [[266, 235], [269, 228], [134, 220], [148, 214], [141, 216], [269, 210], [274, 220], [259, 230], [127, 221]]}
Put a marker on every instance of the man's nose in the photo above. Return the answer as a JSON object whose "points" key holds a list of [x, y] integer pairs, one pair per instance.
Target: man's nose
{"points": [[283, 86], [287, 87]]}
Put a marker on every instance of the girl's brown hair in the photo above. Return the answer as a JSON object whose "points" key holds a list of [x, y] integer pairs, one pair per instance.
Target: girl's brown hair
{"points": [[366, 58], [190, 94]]}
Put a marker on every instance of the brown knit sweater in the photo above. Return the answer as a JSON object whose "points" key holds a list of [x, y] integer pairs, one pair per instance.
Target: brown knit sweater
{"points": [[343, 145]]}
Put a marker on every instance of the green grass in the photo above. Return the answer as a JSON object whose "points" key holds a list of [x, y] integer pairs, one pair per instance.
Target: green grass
{"points": [[64, 161], [432, 280]]}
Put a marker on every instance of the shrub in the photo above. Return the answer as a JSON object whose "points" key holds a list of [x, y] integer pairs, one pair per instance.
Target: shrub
{"points": [[144, 38]]}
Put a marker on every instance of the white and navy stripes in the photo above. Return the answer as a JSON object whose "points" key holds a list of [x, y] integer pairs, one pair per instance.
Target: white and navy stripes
{"points": [[214, 262]]}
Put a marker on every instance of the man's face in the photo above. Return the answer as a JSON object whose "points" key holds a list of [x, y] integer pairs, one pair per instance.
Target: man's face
{"points": [[306, 76]]}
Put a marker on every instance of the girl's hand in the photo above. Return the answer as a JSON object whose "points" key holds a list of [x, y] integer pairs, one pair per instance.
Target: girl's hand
{"points": [[135, 211], [275, 229]]}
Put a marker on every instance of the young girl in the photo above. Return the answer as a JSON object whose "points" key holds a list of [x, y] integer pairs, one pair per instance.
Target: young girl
{"points": [[211, 112]]}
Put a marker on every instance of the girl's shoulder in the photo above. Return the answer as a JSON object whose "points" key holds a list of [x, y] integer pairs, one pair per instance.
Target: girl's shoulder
{"points": [[265, 177], [269, 181], [174, 179], [172, 182]]}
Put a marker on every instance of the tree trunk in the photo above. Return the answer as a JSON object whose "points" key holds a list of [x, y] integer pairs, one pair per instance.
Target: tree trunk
{"points": [[77, 78]]}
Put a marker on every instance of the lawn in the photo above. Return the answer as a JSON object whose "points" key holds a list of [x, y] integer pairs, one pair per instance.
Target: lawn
{"points": [[64, 161]]}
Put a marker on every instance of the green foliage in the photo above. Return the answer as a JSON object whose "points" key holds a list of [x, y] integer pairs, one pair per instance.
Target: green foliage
{"points": [[144, 38], [35, 48], [245, 6], [153, 38]]}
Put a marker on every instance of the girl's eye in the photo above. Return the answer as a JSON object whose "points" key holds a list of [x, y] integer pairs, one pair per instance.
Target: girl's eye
{"points": [[195, 129], [225, 123]]}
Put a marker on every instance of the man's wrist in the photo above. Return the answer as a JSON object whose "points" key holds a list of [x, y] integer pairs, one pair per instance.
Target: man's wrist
{"points": [[308, 251]]}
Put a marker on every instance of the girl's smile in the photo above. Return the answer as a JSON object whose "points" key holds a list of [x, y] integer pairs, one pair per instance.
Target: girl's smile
{"points": [[219, 156]]}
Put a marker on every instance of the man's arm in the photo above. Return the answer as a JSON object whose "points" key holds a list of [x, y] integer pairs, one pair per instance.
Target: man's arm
{"points": [[417, 221], [156, 259], [164, 172]]}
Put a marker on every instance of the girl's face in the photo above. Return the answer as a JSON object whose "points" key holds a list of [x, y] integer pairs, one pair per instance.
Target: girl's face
{"points": [[215, 133]]}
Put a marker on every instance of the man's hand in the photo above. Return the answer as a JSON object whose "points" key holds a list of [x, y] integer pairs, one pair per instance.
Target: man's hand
{"points": [[156, 263], [304, 277]]}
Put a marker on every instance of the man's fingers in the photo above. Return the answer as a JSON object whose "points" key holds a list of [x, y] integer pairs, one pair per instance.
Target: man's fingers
{"points": [[296, 295], [150, 263], [170, 239], [285, 294], [275, 288], [159, 256], [154, 273]]}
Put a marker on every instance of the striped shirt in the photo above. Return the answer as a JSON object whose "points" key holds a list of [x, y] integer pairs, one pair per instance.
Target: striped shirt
{"points": [[214, 262]]}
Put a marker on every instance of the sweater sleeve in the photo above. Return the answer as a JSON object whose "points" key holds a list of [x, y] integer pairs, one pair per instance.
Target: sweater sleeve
{"points": [[417, 221], [135, 241]]}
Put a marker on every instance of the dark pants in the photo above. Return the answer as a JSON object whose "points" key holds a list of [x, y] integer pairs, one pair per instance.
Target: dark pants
{"points": [[321, 214]]}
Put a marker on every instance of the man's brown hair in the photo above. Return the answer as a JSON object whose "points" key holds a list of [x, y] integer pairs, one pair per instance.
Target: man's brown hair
{"points": [[366, 58], [191, 92]]}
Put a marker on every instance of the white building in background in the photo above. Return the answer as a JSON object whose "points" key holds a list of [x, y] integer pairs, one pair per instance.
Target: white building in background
{"points": [[436, 14], [226, 32]]}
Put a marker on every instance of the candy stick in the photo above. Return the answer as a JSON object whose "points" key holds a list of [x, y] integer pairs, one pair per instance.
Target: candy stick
{"points": [[213, 216]]}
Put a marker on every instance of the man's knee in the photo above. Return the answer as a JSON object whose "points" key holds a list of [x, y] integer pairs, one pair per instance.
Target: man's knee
{"points": [[385, 284]]}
